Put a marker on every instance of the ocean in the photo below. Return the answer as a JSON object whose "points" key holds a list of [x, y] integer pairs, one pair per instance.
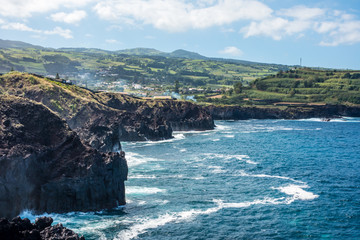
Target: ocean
{"points": [[255, 179]]}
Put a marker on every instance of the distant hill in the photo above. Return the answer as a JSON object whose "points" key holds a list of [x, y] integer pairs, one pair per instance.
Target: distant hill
{"points": [[180, 53], [142, 52], [17, 44], [85, 50]]}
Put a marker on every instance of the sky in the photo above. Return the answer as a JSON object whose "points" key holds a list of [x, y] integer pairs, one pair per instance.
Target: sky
{"points": [[323, 33]]}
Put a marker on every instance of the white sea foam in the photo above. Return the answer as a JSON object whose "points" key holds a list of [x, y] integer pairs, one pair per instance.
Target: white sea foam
{"points": [[244, 158], [176, 137], [243, 173], [143, 225], [135, 159], [141, 176], [143, 190], [216, 140], [183, 150], [202, 132], [229, 136], [296, 192], [265, 201], [220, 127], [217, 169]]}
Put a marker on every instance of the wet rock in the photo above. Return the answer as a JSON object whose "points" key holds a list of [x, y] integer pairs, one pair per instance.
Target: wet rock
{"points": [[43, 222], [23, 229]]}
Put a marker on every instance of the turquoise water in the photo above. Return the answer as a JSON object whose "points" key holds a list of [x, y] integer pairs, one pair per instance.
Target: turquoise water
{"points": [[256, 179]]}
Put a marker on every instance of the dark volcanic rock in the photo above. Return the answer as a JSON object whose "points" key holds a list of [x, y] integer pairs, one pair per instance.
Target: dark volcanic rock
{"points": [[23, 229], [46, 168], [182, 115], [299, 112], [103, 129]]}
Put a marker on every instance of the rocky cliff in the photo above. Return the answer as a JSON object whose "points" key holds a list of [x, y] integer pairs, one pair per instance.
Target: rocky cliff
{"points": [[105, 119], [243, 113], [46, 168]]}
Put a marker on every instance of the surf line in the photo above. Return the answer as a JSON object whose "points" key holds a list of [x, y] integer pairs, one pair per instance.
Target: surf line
{"points": [[295, 192]]}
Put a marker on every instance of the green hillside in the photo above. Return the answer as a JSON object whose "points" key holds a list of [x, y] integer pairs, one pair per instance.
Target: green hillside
{"points": [[302, 85], [110, 66]]}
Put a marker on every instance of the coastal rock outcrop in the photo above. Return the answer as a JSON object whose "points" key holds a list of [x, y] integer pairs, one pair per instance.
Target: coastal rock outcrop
{"points": [[298, 112], [46, 168], [21, 229], [181, 115]]}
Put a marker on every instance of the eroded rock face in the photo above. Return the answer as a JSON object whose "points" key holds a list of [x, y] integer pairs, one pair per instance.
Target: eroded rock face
{"points": [[104, 129], [21, 229], [46, 168]]}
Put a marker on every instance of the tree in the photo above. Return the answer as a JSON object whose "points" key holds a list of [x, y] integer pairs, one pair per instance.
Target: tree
{"points": [[238, 87], [177, 86]]}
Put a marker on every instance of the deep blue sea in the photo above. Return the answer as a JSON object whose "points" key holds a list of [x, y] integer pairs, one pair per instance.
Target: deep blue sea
{"points": [[256, 179]]}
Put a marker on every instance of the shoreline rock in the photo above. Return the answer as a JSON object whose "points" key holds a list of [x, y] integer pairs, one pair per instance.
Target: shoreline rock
{"points": [[20, 229]]}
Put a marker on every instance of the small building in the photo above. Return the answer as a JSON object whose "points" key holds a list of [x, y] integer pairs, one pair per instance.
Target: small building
{"points": [[163, 98]]}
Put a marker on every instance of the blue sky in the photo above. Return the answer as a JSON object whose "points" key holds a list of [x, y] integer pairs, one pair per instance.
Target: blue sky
{"points": [[323, 33]]}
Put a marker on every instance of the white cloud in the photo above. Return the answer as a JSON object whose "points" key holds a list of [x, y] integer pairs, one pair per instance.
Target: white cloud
{"points": [[65, 33], [302, 12], [273, 28], [111, 41], [347, 32], [71, 18], [25, 8], [181, 15], [19, 27], [336, 27], [326, 26], [233, 51]]}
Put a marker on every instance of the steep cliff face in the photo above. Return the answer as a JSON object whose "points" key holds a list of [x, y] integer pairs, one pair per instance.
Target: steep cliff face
{"points": [[45, 167], [103, 129], [181, 115], [243, 113]]}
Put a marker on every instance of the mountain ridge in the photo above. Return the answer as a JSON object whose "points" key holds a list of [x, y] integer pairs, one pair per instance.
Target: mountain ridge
{"points": [[140, 51]]}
